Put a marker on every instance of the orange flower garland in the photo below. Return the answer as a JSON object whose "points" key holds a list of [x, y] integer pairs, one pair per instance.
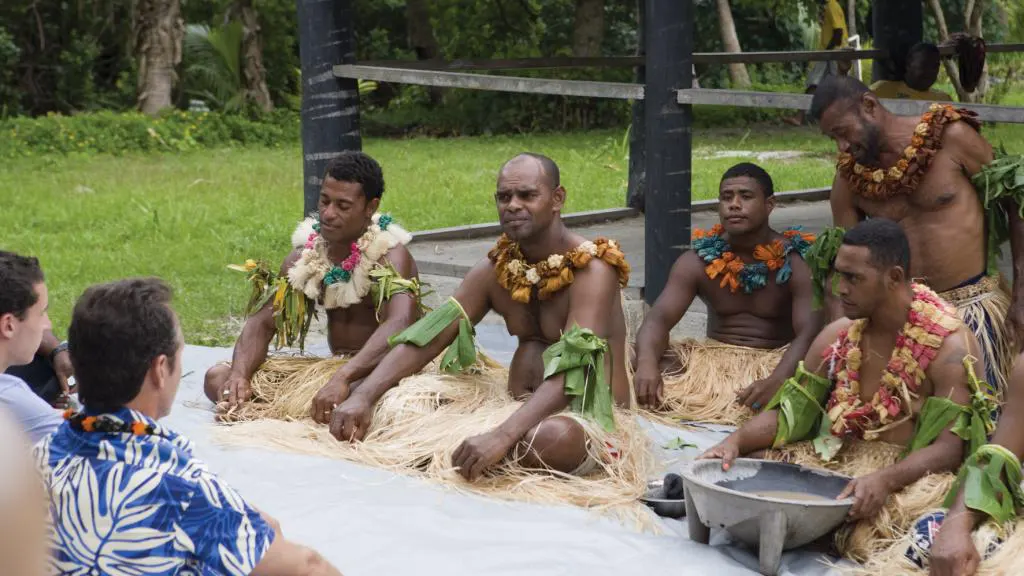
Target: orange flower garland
{"points": [[904, 176], [712, 247], [553, 273], [930, 320]]}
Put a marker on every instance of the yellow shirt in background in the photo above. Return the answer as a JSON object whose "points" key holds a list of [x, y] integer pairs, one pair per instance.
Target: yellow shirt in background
{"points": [[833, 20], [899, 89]]}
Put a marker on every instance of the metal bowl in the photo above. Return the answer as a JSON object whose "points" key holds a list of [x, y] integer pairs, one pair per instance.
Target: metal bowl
{"points": [[733, 500], [654, 497]]}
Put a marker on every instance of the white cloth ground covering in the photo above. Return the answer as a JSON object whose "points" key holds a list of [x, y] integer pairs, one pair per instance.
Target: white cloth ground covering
{"points": [[369, 522]]}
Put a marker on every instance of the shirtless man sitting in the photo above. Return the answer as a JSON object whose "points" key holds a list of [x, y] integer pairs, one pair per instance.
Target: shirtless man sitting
{"points": [[346, 217], [754, 312], [551, 286], [916, 171], [873, 378]]}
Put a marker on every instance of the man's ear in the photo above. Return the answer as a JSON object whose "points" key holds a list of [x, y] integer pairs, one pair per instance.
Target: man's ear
{"points": [[869, 105], [7, 325], [559, 194], [769, 204], [372, 205], [160, 368], [897, 275]]}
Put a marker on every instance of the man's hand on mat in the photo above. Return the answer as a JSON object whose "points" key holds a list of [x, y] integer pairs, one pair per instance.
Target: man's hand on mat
{"points": [[953, 552], [869, 495], [328, 398], [351, 420], [234, 392], [650, 388], [758, 394], [727, 450], [479, 453]]}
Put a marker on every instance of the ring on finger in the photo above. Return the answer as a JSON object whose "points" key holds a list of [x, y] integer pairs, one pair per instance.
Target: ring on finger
{"points": [[225, 393]]}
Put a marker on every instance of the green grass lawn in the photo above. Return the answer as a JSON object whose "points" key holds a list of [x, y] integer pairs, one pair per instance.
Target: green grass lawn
{"points": [[183, 217]]}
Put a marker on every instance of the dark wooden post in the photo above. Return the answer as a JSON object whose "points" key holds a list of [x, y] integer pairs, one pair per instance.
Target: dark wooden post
{"points": [[896, 26], [668, 36], [330, 106], [637, 131]]}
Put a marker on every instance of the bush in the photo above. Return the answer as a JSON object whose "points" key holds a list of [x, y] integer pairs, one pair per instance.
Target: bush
{"points": [[117, 133]]}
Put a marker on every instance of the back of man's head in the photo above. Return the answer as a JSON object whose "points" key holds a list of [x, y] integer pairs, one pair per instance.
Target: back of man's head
{"points": [[836, 90], [23, 540], [117, 331], [923, 61], [19, 276], [886, 242]]}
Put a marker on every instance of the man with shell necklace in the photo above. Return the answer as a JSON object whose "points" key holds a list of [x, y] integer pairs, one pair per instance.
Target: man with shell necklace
{"points": [[899, 369], [559, 294], [758, 292], [918, 172], [350, 260]]}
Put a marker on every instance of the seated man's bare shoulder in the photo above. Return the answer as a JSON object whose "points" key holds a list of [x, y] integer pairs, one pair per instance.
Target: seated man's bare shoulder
{"points": [[403, 261], [290, 260], [967, 146], [947, 372], [815, 358]]}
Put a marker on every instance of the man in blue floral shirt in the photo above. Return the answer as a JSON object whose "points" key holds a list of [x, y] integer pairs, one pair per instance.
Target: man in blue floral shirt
{"points": [[127, 496]]}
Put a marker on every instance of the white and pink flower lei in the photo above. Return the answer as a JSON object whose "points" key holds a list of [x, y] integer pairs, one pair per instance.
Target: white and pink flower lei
{"points": [[347, 284]]}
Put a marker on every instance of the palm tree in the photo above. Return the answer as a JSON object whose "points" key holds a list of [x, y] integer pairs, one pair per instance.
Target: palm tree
{"points": [[213, 64], [157, 33], [255, 75]]}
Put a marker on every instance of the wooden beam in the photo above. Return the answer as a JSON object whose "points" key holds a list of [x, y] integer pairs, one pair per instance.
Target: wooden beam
{"points": [[619, 90], [633, 61], [330, 105], [751, 99], [668, 37]]}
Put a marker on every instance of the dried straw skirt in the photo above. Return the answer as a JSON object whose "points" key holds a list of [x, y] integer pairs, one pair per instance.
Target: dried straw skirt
{"points": [[704, 388], [983, 305], [870, 537], [418, 424]]}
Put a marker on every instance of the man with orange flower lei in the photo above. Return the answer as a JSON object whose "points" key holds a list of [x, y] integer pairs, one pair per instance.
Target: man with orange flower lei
{"points": [[758, 292], [559, 294], [897, 372], [918, 172]]}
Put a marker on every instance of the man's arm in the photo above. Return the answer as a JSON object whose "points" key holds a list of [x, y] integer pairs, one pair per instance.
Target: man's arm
{"points": [[949, 380], [351, 419], [251, 348], [844, 211], [398, 314], [286, 558], [953, 552], [806, 325], [653, 336]]}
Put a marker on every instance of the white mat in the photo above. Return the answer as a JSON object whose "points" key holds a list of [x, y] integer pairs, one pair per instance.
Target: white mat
{"points": [[369, 522]]}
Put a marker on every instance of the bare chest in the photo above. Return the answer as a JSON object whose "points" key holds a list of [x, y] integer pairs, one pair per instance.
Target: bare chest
{"points": [[943, 188], [543, 320], [771, 302]]}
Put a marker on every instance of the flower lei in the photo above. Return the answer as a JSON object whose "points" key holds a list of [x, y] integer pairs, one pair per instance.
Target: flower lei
{"points": [[107, 423], [930, 320], [554, 273], [903, 178], [341, 286], [712, 247]]}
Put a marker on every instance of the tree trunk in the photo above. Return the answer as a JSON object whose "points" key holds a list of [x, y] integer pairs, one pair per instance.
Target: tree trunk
{"points": [[159, 30], [588, 28], [737, 71], [421, 37], [948, 63], [851, 18], [253, 72]]}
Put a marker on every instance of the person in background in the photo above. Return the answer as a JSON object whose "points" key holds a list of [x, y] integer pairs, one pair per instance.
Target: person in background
{"points": [[922, 69], [833, 37], [126, 494], [23, 320]]}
